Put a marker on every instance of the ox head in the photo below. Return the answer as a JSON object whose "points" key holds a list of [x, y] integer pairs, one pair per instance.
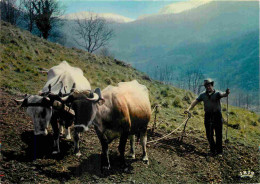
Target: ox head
{"points": [[85, 106], [39, 109]]}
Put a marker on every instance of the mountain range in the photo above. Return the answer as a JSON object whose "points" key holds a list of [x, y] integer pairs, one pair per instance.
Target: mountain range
{"points": [[110, 17], [219, 38]]}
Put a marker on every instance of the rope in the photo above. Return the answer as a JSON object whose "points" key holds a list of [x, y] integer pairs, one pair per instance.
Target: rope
{"points": [[170, 132], [154, 108]]}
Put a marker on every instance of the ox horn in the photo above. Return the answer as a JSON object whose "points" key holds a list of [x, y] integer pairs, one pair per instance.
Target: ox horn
{"points": [[65, 98], [47, 98], [73, 87], [95, 97], [49, 87], [18, 102], [43, 70]]}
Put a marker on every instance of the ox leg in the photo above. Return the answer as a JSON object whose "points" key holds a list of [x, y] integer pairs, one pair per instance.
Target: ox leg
{"points": [[76, 144], [132, 146], [67, 129], [121, 147], [143, 138], [105, 163], [61, 130], [67, 133], [56, 134]]}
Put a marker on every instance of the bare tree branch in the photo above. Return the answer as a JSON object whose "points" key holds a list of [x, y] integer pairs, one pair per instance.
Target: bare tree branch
{"points": [[92, 33]]}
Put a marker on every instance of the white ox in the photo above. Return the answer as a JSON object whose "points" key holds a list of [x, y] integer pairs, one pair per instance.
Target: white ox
{"points": [[64, 75], [61, 79]]}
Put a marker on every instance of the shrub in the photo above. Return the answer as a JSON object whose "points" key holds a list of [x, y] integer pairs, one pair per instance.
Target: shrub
{"points": [[172, 95], [187, 99], [17, 70], [114, 79], [165, 104], [177, 102], [28, 58], [253, 123], [164, 93], [195, 113], [108, 81], [232, 113], [146, 77], [234, 126], [163, 126]]}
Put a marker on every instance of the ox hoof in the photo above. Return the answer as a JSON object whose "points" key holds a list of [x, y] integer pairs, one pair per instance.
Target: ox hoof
{"points": [[129, 170], [55, 152], [126, 169], [78, 154], [131, 156], [68, 137], [105, 170], [145, 160]]}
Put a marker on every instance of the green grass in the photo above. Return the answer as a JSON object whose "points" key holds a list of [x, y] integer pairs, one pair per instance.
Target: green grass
{"points": [[23, 55]]}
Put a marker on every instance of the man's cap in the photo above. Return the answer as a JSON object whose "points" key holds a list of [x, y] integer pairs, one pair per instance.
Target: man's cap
{"points": [[208, 81]]}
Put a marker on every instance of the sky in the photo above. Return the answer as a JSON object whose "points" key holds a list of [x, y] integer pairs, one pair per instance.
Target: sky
{"points": [[131, 9]]}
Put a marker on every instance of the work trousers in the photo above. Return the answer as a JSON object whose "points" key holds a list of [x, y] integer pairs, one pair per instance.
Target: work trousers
{"points": [[213, 124]]}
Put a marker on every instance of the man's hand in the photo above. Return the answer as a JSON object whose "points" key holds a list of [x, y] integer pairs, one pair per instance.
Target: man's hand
{"points": [[193, 104], [227, 91], [187, 111]]}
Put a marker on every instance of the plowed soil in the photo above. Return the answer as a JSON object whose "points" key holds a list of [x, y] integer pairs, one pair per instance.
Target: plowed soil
{"points": [[26, 158]]}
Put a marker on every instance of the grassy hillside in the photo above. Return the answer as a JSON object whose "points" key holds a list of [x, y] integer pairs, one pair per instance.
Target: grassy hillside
{"points": [[23, 55]]}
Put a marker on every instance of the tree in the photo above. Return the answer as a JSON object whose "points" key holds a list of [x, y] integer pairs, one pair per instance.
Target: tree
{"points": [[47, 16], [29, 14], [10, 11], [194, 79], [92, 33]]}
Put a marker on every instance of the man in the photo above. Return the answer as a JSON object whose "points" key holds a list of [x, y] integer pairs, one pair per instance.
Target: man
{"points": [[213, 117]]}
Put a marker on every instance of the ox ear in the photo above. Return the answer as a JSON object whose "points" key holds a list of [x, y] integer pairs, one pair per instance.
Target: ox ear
{"points": [[98, 92], [93, 97], [101, 100], [68, 99]]}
